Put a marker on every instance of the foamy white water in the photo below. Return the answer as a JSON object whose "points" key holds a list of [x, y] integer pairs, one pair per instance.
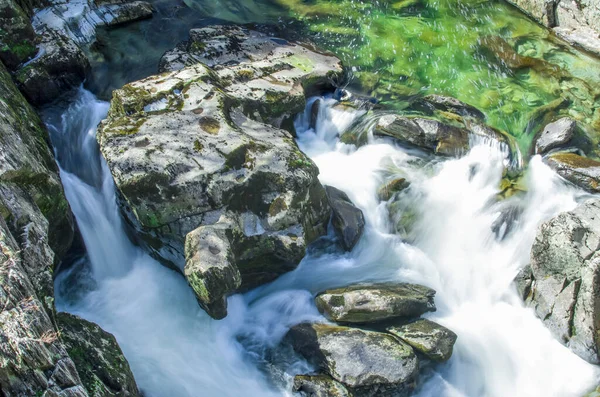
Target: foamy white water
{"points": [[175, 349]]}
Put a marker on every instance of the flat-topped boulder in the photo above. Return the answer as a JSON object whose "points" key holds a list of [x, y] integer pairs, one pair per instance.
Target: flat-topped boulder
{"points": [[366, 362], [370, 303], [190, 145]]}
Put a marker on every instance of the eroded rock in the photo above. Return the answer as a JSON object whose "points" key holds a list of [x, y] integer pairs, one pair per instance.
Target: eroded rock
{"points": [[370, 303], [348, 221], [565, 266]]}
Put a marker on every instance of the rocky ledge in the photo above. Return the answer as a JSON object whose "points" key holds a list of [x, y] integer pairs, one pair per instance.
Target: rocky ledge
{"points": [[382, 359], [205, 166]]}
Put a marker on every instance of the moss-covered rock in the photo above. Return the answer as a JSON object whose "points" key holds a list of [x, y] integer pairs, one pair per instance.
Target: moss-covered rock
{"points": [[581, 171], [191, 145], [431, 339], [17, 38], [319, 386], [101, 365]]}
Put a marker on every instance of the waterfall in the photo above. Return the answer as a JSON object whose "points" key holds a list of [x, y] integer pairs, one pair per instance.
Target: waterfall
{"points": [[175, 349]]}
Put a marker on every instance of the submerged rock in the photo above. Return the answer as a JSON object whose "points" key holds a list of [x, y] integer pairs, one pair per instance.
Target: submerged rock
{"points": [[388, 189], [370, 303], [581, 171], [319, 386], [188, 146], [433, 340], [430, 103], [555, 135], [348, 221], [101, 365], [367, 363], [565, 266]]}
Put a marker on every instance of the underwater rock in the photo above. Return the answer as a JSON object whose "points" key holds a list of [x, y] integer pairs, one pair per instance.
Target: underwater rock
{"points": [[102, 367], [431, 339], [565, 292], [187, 146], [430, 103], [368, 303], [367, 363], [319, 386], [581, 171], [388, 189], [555, 135], [348, 221]]}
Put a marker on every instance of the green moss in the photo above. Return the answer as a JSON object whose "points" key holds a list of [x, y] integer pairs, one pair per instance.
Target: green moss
{"points": [[575, 161], [198, 146]]}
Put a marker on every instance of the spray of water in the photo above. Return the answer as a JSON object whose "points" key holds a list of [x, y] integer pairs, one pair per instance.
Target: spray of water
{"points": [[175, 349]]}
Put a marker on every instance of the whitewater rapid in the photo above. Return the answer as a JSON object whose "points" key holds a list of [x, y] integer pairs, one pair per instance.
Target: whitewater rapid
{"points": [[175, 349]]}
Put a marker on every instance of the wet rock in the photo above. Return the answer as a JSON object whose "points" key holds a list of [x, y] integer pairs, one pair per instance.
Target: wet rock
{"points": [[388, 189], [565, 291], [430, 103], [370, 303], [189, 146], [101, 365], [367, 363], [555, 135], [17, 38], [431, 339], [348, 221], [523, 281], [59, 66], [126, 12], [581, 171], [319, 386]]}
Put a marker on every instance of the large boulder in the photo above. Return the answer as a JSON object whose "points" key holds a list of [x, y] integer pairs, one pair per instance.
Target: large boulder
{"points": [[431, 339], [367, 363], [347, 220], [191, 146], [565, 268], [370, 303], [101, 365], [581, 171]]}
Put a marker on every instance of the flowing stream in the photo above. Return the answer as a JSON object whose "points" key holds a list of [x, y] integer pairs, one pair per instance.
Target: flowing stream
{"points": [[461, 245]]}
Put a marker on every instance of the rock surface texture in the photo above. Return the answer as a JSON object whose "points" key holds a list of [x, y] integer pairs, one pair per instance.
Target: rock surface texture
{"points": [[565, 287], [581, 171], [197, 151], [578, 22], [36, 228], [375, 302], [555, 135], [348, 221]]}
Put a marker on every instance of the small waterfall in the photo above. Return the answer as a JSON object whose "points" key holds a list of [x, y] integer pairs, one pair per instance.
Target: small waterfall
{"points": [[175, 349]]}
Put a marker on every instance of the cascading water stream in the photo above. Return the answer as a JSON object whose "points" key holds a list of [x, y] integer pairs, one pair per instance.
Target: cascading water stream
{"points": [[175, 349]]}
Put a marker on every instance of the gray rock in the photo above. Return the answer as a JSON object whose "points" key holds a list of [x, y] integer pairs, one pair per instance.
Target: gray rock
{"points": [[566, 267], [348, 221], [369, 303], [430, 103], [555, 135], [189, 146], [365, 362], [581, 171], [319, 386], [101, 365], [433, 340]]}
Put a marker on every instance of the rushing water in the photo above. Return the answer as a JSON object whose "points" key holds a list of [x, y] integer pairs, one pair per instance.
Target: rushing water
{"points": [[175, 349]]}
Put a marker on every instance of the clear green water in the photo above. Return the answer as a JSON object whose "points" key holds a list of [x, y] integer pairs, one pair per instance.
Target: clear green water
{"points": [[485, 53]]}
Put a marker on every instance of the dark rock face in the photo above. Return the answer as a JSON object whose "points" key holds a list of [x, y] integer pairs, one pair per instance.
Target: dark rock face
{"points": [[102, 368], [348, 221], [375, 302], [36, 230], [555, 135], [431, 339], [17, 38], [581, 171], [366, 362], [196, 152], [565, 288]]}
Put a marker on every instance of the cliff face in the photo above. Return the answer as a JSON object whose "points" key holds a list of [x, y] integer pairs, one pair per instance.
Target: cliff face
{"points": [[577, 21], [36, 229]]}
